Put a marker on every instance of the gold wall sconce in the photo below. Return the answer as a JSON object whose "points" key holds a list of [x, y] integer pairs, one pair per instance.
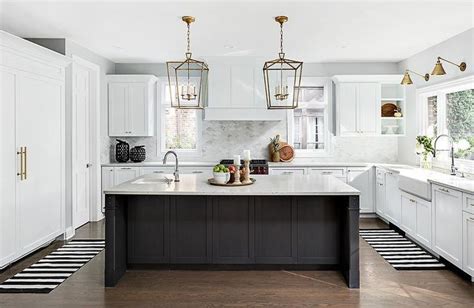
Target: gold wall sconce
{"points": [[439, 69], [407, 79]]}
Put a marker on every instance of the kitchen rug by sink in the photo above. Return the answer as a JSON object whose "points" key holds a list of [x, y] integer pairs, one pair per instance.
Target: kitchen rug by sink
{"points": [[399, 251], [53, 269]]}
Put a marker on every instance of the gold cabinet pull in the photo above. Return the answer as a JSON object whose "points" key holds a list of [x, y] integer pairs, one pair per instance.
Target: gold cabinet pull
{"points": [[25, 160], [21, 163]]}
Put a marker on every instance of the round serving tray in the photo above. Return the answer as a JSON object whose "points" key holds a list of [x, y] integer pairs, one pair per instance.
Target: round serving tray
{"points": [[212, 182]]}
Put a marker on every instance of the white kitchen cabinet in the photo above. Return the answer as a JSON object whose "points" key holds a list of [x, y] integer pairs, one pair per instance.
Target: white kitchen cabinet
{"points": [[131, 105], [361, 179], [339, 173], [447, 224], [423, 222], [408, 215], [468, 203], [32, 200], [237, 93], [124, 174], [393, 202], [107, 181], [380, 206], [357, 108], [287, 171], [156, 170], [468, 243], [368, 100]]}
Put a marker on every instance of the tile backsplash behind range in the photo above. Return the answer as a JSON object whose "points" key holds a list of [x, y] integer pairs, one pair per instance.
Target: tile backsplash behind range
{"points": [[223, 139]]}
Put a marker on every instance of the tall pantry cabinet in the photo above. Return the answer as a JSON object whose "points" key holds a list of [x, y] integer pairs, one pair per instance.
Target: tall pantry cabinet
{"points": [[32, 159]]}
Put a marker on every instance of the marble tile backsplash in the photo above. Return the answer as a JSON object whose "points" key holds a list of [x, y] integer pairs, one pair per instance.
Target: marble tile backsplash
{"points": [[223, 139]]}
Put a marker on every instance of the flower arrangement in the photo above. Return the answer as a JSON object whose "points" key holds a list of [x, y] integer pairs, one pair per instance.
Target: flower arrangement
{"points": [[424, 147]]}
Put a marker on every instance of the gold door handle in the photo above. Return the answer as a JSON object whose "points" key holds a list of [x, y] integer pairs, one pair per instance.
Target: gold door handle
{"points": [[23, 157]]}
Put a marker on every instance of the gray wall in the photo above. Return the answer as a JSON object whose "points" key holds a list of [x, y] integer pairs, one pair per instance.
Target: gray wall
{"points": [[224, 138], [456, 49]]}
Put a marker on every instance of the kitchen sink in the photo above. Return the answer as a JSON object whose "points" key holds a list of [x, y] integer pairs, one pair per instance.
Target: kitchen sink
{"points": [[153, 181]]}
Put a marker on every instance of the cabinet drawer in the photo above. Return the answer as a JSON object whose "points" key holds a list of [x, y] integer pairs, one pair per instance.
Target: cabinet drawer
{"points": [[336, 172], [158, 170], [468, 203], [287, 171]]}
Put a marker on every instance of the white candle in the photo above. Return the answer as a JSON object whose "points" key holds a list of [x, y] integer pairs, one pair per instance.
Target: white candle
{"points": [[236, 159], [246, 154]]}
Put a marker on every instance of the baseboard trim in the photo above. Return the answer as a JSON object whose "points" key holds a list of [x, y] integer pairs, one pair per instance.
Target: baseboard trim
{"points": [[70, 232]]}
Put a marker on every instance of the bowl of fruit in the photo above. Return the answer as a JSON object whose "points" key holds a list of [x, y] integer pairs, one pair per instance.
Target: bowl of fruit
{"points": [[221, 174]]}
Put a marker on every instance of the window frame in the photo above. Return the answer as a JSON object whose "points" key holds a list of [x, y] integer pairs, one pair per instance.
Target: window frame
{"points": [[440, 90], [161, 129], [326, 84]]}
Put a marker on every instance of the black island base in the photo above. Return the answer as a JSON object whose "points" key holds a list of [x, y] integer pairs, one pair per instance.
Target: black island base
{"points": [[237, 232]]}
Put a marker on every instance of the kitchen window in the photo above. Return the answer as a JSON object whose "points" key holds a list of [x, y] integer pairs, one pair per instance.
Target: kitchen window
{"points": [[308, 125], [180, 129], [448, 108]]}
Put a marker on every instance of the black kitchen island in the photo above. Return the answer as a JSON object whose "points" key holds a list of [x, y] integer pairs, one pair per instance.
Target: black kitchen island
{"points": [[291, 222]]}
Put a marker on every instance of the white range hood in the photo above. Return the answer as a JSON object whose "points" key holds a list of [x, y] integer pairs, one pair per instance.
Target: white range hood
{"points": [[236, 92]]}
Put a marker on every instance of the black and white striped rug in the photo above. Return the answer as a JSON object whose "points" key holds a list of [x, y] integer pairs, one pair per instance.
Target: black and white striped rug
{"points": [[399, 251], [53, 269]]}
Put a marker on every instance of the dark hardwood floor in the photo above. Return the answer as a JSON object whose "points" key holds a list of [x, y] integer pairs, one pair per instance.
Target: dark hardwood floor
{"points": [[381, 285]]}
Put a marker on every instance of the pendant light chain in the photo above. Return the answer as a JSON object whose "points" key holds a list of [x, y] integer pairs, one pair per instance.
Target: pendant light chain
{"points": [[281, 38], [189, 40]]}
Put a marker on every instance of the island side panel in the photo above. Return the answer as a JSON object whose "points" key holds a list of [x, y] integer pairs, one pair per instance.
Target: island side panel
{"points": [[148, 230], [115, 239], [350, 241]]}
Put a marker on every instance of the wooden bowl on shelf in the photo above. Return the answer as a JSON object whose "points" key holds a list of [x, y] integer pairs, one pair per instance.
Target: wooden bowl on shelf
{"points": [[389, 109]]}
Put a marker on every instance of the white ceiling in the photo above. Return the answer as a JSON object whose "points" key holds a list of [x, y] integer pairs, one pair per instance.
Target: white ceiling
{"points": [[317, 31]]}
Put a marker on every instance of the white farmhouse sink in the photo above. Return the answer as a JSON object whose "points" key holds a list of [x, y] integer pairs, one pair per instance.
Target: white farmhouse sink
{"points": [[415, 185]]}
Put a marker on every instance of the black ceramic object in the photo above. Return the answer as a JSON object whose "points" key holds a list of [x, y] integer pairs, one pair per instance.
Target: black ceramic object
{"points": [[121, 151], [138, 154]]}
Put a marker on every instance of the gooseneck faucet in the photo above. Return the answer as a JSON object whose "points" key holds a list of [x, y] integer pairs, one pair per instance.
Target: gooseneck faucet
{"points": [[451, 141], [176, 171]]}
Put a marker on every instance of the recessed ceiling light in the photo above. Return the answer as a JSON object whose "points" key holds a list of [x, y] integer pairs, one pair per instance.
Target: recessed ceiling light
{"points": [[229, 46], [117, 47]]}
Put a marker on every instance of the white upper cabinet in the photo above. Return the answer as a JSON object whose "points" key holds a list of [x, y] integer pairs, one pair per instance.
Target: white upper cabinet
{"points": [[359, 101], [236, 92], [131, 102]]}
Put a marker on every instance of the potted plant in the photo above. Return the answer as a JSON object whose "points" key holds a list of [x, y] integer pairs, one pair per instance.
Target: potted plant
{"points": [[424, 148]]}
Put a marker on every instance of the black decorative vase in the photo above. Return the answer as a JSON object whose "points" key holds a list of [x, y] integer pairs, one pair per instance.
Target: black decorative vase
{"points": [[121, 151], [138, 154]]}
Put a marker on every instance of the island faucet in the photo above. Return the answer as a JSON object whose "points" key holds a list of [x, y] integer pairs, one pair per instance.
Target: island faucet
{"points": [[176, 171], [451, 141]]}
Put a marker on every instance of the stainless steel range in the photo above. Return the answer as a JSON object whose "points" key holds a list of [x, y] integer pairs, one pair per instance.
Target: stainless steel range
{"points": [[257, 166]]}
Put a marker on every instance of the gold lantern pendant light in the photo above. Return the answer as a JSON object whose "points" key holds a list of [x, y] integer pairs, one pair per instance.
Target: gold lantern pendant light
{"points": [[439, 69], [407, 79], [276, 74], [187, 79]]}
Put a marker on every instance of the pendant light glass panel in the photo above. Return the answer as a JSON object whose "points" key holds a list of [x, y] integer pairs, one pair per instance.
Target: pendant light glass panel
{"points": [[188, 83], [187, 79], [282, 78]]}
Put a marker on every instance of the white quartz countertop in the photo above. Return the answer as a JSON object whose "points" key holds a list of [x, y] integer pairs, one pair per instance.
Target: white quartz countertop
{"points": [[170, 164], [265, 185]]}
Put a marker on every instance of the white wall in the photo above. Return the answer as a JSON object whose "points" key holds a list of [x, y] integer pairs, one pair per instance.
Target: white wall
{"points": [[456, 49], [222, 139]]}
